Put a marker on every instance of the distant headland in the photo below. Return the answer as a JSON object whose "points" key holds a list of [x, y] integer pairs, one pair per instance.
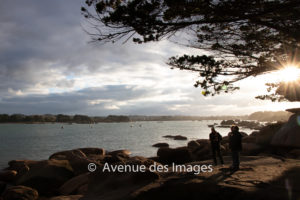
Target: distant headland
{"points": [[263, 116]]}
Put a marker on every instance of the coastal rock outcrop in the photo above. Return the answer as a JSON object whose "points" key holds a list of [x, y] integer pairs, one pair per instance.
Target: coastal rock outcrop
{"points": [[193, 145], [289, 133], [177, 155], [20, 193], [78, 159], [74, 185], [47, 176], [176, 137], [70, 197], [245, 124], [251, 149], [161, 144], [8, 175], [115, 185]]}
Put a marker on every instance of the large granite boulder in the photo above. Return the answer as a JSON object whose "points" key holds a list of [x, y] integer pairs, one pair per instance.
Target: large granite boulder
{"points": [[139, 160], [251, 149], [71, 197], [289, 133], [65, 155], [78, 159], [8, 175], [3, 186], [193, 145], [117, 185], [295, 153], [20, 193], [47, 176], [266, 134], [92, 151], [203, 152], [122, 153], [177, 155], [20, 166], [74, 185]]}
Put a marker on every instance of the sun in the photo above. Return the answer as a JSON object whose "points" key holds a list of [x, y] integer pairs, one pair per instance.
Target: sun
{"points": [[289, 73]]}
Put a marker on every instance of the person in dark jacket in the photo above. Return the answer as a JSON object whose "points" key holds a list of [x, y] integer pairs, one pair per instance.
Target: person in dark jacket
{"points": [[235, 145], [215, 139]]}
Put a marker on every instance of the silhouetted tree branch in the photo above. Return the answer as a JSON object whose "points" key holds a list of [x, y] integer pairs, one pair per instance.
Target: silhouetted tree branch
{"points": [[237, 38]]}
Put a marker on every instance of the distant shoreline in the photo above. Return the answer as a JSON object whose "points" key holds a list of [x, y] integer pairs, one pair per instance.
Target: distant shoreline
{"points": [[266, 116]]}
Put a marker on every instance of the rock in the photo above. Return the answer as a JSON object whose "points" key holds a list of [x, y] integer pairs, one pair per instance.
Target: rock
{"points": [[123, 153], [251, 149], [115, 185], [82, 189], [176, 137], [139, 160], [168, 136], [265, 135], [64, 155], [258, 178], [73, 185], [193, 145], [71, 197], [249, 139], [20, 166], [94, 151], [244, 134], [119, 156], [294, 110], [289, 133], [161, 145], [20, 193], [77, 159], [203, 152], [295, 153], [3, 186], [249, 124], [180, 137], [47, 176], [114, 159], [203, 142], [8, 175], [227, 122], [178, 155]]}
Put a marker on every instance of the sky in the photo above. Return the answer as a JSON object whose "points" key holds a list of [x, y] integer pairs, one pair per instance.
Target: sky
{"points": [[49, 65]]}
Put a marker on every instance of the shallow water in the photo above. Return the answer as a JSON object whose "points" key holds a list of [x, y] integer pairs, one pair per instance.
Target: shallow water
{"points": [[39, 141]]}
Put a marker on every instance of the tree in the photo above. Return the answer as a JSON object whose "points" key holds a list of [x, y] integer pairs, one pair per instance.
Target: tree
{"points": [[236, 38], [63, 118], [82, 119]]}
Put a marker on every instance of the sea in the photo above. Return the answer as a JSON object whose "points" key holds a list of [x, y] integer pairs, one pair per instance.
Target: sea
{"points": [[39, 141]]}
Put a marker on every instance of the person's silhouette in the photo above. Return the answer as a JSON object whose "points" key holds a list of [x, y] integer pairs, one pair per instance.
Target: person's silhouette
{"points": [[215, 139]]}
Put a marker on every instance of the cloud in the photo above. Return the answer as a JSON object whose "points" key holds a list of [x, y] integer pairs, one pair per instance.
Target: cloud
{"points": [[48, 66]]}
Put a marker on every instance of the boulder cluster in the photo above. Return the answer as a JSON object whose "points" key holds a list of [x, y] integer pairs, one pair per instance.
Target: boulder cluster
{"points": [[269, 162]]}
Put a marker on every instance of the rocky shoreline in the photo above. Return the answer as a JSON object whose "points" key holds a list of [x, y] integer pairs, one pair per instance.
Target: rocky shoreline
{"points": [[267, 171]]}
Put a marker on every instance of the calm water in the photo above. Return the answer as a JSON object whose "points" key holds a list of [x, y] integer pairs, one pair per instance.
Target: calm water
{"points": [[39, 141]]}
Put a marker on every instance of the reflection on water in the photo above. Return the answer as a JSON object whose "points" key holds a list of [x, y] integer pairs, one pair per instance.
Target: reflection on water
{"points": [[39, 141]]}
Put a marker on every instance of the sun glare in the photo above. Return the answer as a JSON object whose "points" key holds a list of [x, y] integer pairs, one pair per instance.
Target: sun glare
{"points": [[289, 73]]}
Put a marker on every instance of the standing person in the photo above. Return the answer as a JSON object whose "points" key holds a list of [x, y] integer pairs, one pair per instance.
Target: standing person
{"points": [[215, 140], [235, 145]]}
